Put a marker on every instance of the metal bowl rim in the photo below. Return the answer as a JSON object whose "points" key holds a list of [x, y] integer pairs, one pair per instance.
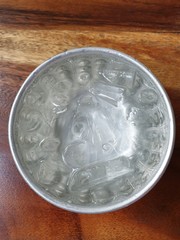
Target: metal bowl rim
{"points": [[97, 209]]}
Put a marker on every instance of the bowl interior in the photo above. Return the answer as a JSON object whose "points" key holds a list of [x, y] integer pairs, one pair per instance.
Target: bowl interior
{"points": [[91, 130]]}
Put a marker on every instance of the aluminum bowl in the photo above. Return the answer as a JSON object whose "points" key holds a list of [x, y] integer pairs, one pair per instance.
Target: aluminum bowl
{"points": [[91, 130]]}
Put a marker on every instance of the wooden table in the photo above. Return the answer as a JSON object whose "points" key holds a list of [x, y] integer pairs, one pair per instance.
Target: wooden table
{"points": [[31, 32]]}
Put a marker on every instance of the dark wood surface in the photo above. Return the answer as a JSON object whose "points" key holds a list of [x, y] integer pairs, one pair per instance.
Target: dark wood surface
{"points": [[31, 32]]}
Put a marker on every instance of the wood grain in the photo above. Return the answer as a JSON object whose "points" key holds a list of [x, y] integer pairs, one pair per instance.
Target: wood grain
{"points": [[152, 15], [33, 31]]}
